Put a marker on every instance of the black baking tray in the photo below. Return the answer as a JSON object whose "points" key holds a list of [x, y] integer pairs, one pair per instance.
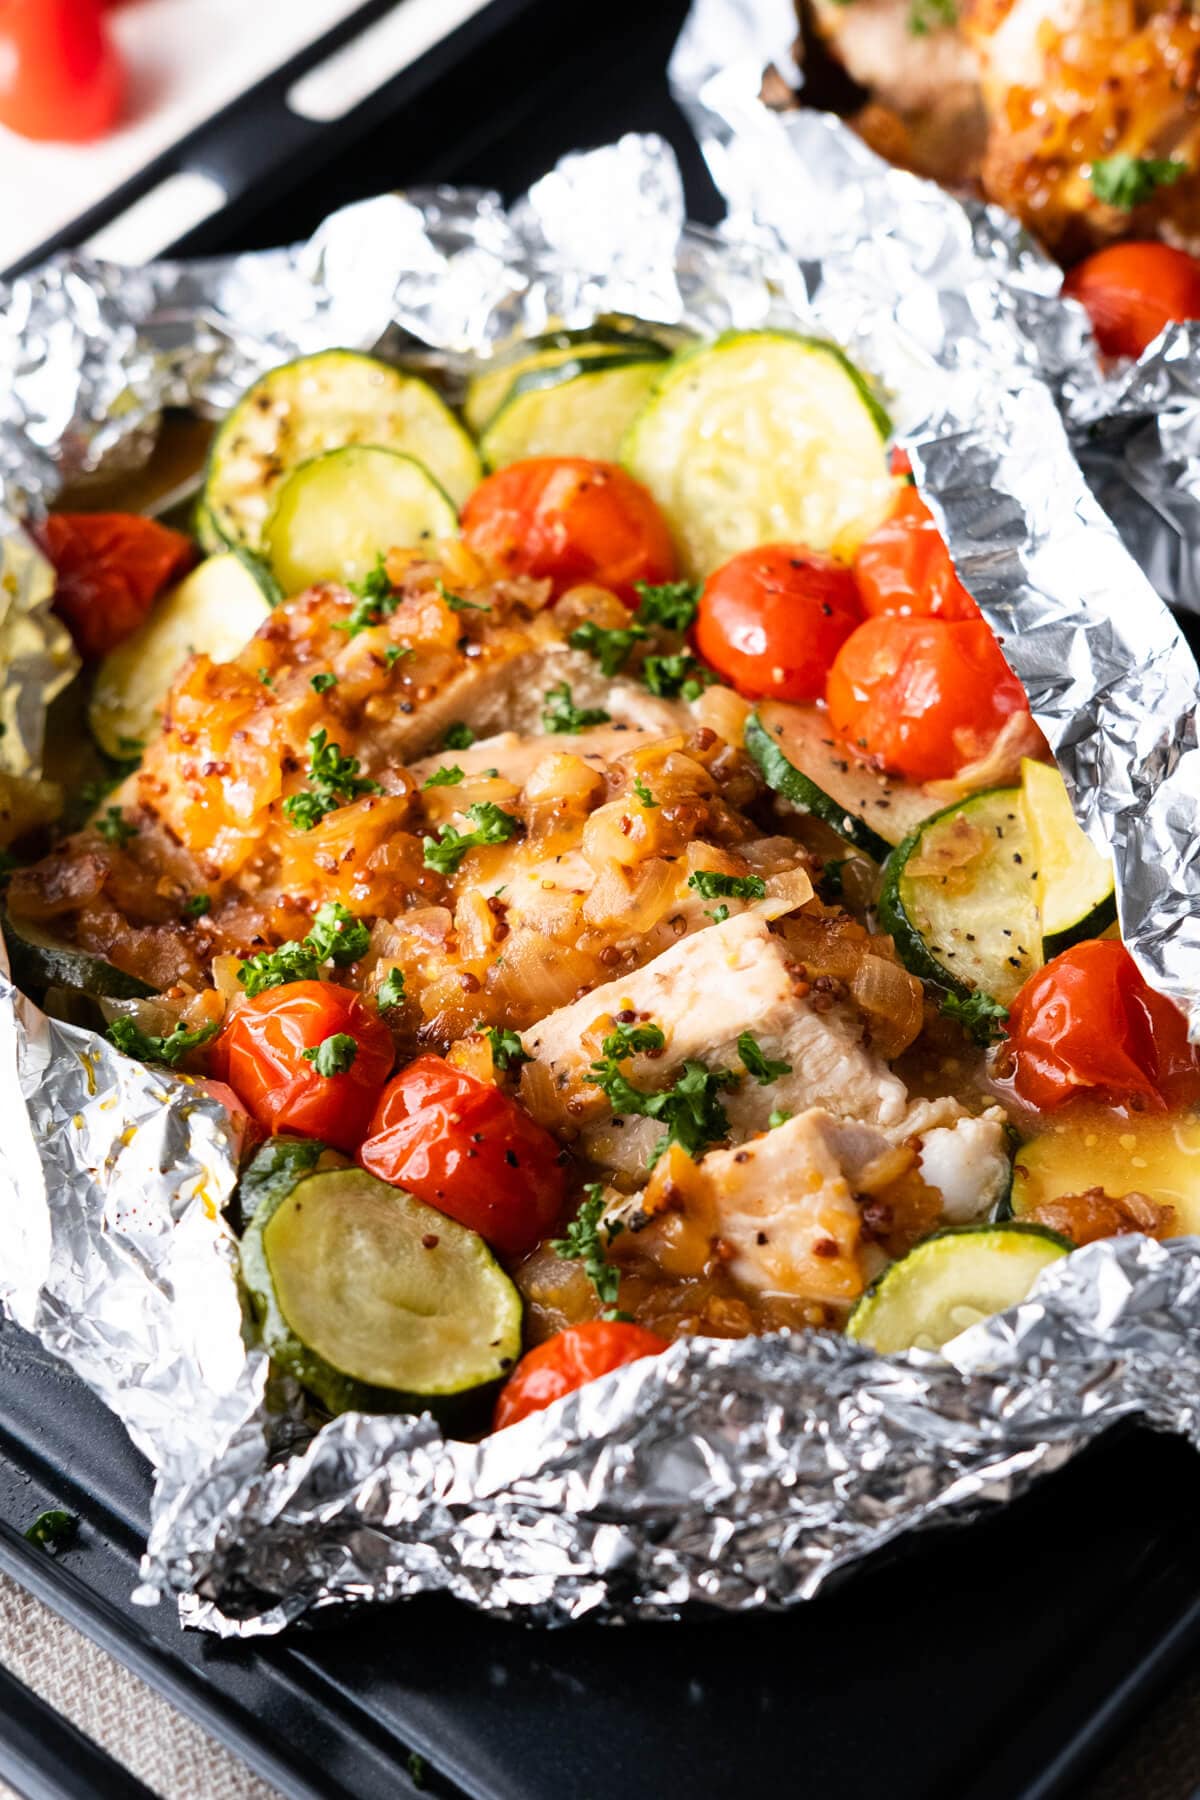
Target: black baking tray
{"points": [[992, 1662]]}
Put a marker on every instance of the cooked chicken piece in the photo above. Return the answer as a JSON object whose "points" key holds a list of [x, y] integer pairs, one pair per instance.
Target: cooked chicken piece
{"points": [[966, 1161], [516, 757]]}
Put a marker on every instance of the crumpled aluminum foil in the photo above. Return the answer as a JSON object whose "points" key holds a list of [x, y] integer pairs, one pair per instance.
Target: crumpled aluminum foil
{"points": [[736, 1474], [1135, 427]]}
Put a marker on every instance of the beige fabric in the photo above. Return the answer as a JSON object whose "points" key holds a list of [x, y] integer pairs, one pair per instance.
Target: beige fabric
{"points": [[114, 1708]]}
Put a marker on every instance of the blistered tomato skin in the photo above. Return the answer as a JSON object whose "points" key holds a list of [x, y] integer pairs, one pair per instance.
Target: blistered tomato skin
{"points": [[580, 1354], [111, 568], [260, 1054], [470, 1150], [567, 519], [904, 567], [1131, 291], [771, 620], [1089, 1023], [922, 698]]}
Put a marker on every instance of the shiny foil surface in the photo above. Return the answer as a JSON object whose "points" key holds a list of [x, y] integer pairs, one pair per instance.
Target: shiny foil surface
{"points": [[735, 1474]]}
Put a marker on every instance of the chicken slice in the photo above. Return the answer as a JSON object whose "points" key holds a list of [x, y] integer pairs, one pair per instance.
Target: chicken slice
{"points": [[509, 694], [516, 757]]}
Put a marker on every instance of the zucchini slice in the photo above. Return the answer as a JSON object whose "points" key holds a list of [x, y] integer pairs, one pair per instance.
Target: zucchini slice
{"points": [[1075, 885], [960, 897], [335, 513], [325, 402], [579, 408], [214, 611], [951, 1281], [1156, 1154], [762, 437], [489, 388], [40, 961], [274, 1170], [807, 766], [374, 1301]]}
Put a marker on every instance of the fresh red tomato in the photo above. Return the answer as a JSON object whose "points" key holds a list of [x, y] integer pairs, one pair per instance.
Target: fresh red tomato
{"points": [[1130, 291], [904, 567], [470, 1150], [1089, 1021], [922, 697], [567, 519], [772, 620], [111, 568], [262, 1055], [565, 1362], [60, 75], [900, 463]]}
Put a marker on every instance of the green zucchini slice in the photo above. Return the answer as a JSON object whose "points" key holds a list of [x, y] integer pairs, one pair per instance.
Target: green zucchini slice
{"points": [[318, 403], [951, 1281], [274, 1170], [1075, 883], [807, 766], [335, 513], [578, 408], [1155, 1154], [960, 897], [215, 611], [374, 1301], [490, 386], [762, 437], [39, 961]]}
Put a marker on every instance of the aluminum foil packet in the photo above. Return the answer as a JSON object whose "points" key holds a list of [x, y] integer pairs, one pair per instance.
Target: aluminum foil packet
{"points": [[730, 1474], [1134, 426]]}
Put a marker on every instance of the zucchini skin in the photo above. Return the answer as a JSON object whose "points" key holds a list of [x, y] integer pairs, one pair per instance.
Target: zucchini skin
{"points": [[1093, 925], [785, 779], [37, 963], [893, 917], [273, 1172]]}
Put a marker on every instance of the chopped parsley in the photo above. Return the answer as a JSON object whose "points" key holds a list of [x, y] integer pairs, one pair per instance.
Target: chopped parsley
{"points": [[583, 1244], [691, 1109], [336, 937], [394, 652], [508, 1052], [334, 1054], [114, 827], [321, 684], [633, 1040], [681, 674], [197, 905], [459, 736], [492, 826], [456, 602], [152, 1049], [609, 644], [779, 1117], [266, 678], [391, 990], [755, 1062], [711, 884], [925, 16], [981, 1017], [334, 780], [561, 714], [643, 793], [831, 875], [448, 776], [1125, 181], [54, 1530], [718, 914], [671, 604], [375, 599]]}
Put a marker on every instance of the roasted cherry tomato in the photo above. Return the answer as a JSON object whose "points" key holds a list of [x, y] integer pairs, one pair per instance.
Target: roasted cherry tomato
{"points": [[1130, 291], [563, 1363], [111, 568], [904, 567], [467, 1148], [60, 75], [1089, 1021], [566, 519], [262, 1055], [772, 620], [922, 697]]}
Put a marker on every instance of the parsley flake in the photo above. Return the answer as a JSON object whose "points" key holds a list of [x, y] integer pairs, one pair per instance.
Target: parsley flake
{"points": [[115, 828], [448, 776], [561, 714], [718, 914], [779, 1117], [394, 652], [492, 826], [390, 991], [670, 676], [336, 936], [459, 736], [508, 1052], [925, 16], [321, 684], [54, 1529], [711, 884], [266, 678], [457, 602], [691, 1109], [375, 599], [197, 905], [981, 1017], [643, 793], [583, 1243], [609, 644], [671, 604], [755, 1062], [333, 1055], [334, 779], [152, 1049], [1126, 181]]}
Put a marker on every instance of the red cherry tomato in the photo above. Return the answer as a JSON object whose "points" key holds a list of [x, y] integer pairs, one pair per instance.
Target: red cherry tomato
{"points": [[60, 75], [922, 697], [1088, 1021], [900, 463], [111, 568], [565, 1362], [904, 567], [566, 519], [467, 1148], [772, 620], [260, 1054], [1130, 291]]}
